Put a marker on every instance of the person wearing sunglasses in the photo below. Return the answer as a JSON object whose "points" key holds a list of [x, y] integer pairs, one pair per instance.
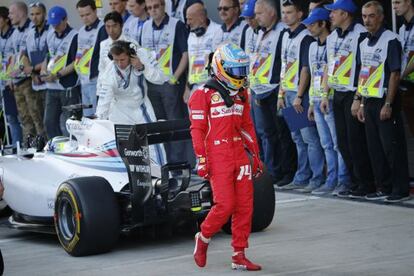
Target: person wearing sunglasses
{"points": [[58, 72], [293, 93], [6, 55], [234, 27], [90, 35], [167, 37], [29, 103]]}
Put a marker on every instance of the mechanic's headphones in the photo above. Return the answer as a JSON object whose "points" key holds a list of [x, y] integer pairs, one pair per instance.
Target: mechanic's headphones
{"points": [[124, 47]]}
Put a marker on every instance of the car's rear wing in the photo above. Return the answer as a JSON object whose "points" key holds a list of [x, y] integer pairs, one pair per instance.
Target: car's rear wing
{"points": [[133, 145]]}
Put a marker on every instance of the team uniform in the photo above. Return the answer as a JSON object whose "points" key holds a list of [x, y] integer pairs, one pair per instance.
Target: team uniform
{"points": [[124, 98], [9, 102], [87, 60], [295, 47], [65, 90], [385, 138], [342, 50]]}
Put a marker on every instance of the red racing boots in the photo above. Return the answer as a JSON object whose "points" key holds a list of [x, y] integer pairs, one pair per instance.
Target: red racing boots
{"points": [[200, 250], [240, 262]]}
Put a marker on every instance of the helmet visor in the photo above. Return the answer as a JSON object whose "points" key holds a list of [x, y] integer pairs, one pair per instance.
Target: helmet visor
{"points": [[237, 72]]}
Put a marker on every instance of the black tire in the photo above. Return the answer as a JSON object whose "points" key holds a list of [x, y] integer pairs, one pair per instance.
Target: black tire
{"points": [[264, 204], [1, 264], [5, 211], [87, 219]]}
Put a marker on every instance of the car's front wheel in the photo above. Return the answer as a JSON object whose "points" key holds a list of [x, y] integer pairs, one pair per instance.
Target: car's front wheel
{"points": [[86, 216]]}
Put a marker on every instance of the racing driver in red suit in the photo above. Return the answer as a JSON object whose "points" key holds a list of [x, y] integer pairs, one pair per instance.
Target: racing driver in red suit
{"points": [[223, 138]]}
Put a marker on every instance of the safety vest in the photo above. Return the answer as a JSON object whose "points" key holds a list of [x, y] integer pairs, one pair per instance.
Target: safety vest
{"points": [[162, 42], [289, 72], [19, 38], [250, 40], [407, 41], [199, 49], [342, 59], [58, 55], [87, 40], [234, 35], [179, 11], [371, 76], [133, 28], [317, 66], [6, 56], [263, 60], [36, 49]]}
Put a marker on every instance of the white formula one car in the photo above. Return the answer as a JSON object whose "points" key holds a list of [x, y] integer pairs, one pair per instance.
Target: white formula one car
{"points": [[100, 182]]}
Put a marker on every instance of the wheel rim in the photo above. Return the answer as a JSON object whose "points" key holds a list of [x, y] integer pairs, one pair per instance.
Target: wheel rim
{"points": [[66, 219]]}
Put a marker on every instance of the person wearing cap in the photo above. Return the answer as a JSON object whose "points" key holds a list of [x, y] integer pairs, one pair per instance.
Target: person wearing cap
{"points": [[250, 36], [293, 92], [405, 9], [6, 56], [87, 57], [201, 43], [58, 72], [27, 100], [319, 26], [234, 27], [277, 147], [133, 27], [381, 106], [342, 76]]}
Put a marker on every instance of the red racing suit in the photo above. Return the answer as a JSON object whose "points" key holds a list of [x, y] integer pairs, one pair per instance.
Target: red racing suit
{"points": [[221, 134]]}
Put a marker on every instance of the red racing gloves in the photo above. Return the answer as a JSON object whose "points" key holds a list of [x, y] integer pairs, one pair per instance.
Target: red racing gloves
{"points": [[202, 169], [257, 167]]}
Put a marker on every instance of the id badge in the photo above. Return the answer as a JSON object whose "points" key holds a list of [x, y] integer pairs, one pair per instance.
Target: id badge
{"points": [[332, 65], [317, 82], [283, 70]]}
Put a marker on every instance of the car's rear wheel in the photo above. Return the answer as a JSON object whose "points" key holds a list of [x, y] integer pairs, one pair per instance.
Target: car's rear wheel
{"points": [[86, 216], [264, 204]]}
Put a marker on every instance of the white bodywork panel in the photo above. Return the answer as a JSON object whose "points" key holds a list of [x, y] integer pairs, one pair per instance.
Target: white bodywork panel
{"points": [[31, 184]]}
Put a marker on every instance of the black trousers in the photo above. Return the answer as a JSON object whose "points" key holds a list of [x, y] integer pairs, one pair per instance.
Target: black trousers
{"points": [[387, 147], [352, 142]]}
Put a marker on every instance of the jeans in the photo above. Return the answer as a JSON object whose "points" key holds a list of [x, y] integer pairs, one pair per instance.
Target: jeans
{"points": [[10, 109], [15, 129], [310, 152], [336, 168], [89, 97], [55, 117]]}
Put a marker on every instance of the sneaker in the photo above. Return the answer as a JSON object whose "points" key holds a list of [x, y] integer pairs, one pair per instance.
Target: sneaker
{"points": [[240, 262], [200, 250], [342, 189], [293, 186], [324, 189], [376, 196], [310, 187], [284, 181], [358, 193], [396, 198]]}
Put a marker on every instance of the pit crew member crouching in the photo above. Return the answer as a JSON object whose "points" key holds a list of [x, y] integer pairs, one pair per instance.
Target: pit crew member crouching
{"points": [[222, 130]]}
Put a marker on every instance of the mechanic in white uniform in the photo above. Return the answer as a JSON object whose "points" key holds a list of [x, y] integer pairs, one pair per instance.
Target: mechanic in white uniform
{"points": [[124, 97]]}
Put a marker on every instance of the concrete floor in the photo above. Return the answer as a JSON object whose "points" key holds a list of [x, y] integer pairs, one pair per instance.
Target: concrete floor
{"points": [[309, 236]]}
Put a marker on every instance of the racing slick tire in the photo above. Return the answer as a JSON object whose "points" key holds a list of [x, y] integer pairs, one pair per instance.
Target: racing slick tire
{"points": [[87, 219], [1, 264], [264, 204]]}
